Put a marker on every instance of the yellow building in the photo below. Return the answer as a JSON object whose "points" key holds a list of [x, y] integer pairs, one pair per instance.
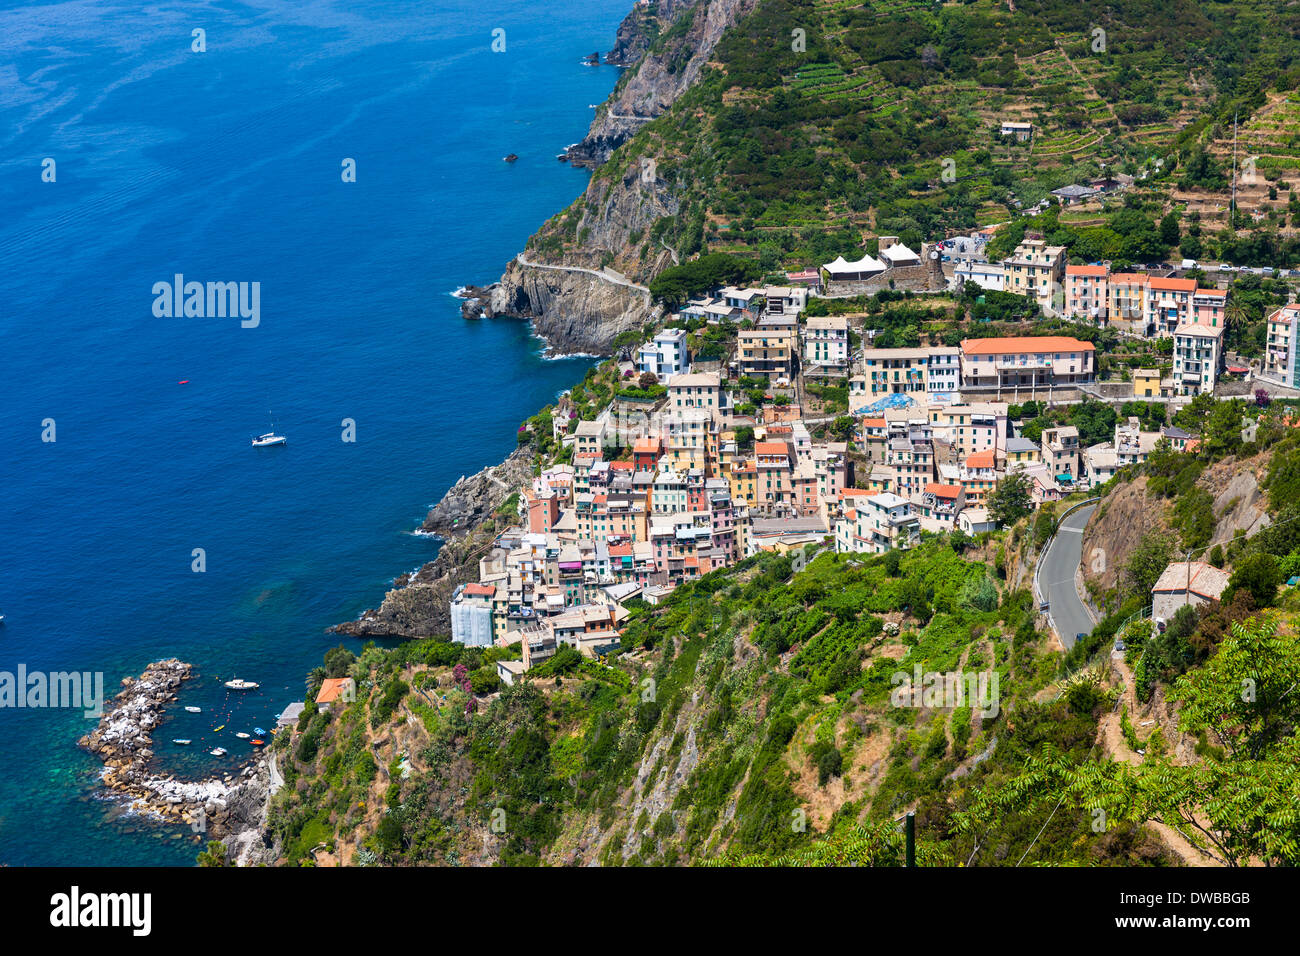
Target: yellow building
{"points": [[1146, 383]]}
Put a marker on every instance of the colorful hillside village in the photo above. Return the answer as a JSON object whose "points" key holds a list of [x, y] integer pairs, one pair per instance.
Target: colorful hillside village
{"points": [[685, 477]]}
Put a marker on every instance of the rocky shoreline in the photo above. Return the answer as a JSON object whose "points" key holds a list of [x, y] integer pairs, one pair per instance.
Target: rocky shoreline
{"points": [[570, 307], [419, 604], [231, 807]]}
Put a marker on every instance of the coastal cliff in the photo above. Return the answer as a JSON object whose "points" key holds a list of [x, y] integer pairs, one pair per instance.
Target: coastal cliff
{"points": [[666, 52], [419, 603], [582, 279]]}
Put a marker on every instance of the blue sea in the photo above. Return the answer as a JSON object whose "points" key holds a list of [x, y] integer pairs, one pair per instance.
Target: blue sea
{"points": [[226, 165]]}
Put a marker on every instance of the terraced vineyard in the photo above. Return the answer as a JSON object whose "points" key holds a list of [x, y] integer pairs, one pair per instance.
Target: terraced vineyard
{"points": [[886, 119]]}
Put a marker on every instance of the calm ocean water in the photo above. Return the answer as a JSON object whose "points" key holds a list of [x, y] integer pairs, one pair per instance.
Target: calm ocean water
{"points": [[225, 166]]}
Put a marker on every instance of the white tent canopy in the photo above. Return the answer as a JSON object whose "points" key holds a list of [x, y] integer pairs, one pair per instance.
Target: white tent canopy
{"points": [[864, 266]]}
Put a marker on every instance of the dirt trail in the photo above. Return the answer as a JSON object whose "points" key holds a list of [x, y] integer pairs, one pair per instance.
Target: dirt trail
{"points": [[1115, 746]]}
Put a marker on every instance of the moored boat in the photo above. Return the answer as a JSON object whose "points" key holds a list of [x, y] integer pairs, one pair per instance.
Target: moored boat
{"points": [[237, 684], [183, 741], [195, 710]]}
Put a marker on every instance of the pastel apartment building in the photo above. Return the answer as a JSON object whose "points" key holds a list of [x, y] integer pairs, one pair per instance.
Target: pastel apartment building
{"points": [[1029, 362], [1153, 305], [920, 372], [1280, 347], [1036, 270], [826, 344], [1168, 304], [767, 353], [1086, 293], [970, 427], [664, 356], [876, 524], [1060, 449], [1198, 357]]}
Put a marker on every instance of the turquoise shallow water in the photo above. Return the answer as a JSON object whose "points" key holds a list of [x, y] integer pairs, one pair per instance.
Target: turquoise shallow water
{"points": [[225, 166]]}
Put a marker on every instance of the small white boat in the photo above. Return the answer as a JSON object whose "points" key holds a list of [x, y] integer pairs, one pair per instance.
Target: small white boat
{"points": [[238, 684], [218, 752], [241, 735], [195, 710], [183, 741], [269, 438]]}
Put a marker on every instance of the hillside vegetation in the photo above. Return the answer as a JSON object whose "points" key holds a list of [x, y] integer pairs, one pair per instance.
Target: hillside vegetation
{"points": [[819, 125], [748, 720]]}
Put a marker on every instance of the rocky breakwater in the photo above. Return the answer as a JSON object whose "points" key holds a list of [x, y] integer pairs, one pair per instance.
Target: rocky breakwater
{"points": [[222, 806], [466, 521]]}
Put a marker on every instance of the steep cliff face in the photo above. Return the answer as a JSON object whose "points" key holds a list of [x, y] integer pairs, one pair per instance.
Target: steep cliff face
{"points": [[1130, 512], [580, 300], [689, 29], [574, 312], [609, 226], [419, 604]]}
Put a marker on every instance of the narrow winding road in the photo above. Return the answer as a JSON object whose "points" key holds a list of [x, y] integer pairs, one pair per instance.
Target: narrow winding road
{"points": [[1056, 578], [609, 275]]}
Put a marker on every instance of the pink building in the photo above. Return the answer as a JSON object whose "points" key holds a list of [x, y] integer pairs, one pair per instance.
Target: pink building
{"points": [[1086, 291]]}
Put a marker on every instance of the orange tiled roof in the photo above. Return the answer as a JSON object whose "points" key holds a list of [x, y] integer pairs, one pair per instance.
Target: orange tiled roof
{"points": [[943, 491], [331, 689], [1173, 285], [769, 448], [1100, 271], [1034, 343], [981, 459]]}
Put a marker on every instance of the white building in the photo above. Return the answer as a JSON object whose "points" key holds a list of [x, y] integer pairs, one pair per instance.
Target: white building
{"points": [[826, 343], [785, 300], [987, 275], [471, 615], [664, 356], [1280, 349], [1198, 356], [876, 524]]}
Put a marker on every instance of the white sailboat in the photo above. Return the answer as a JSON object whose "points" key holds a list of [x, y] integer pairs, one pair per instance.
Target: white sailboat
{"points": [[269, 438]]}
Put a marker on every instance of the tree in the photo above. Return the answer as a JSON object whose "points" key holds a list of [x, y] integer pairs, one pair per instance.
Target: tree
{"points": [[648, 380], [1147, 562], [1169, 232], [214, 855], [1238, 807], [1258, 574], [1011, 499]]}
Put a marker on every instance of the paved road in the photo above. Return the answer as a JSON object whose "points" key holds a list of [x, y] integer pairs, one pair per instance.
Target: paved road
{"points": [[1056, 577], [609, 275]]}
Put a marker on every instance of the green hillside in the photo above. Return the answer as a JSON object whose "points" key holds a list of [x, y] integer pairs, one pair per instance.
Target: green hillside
{"points": [[819, 124]]}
